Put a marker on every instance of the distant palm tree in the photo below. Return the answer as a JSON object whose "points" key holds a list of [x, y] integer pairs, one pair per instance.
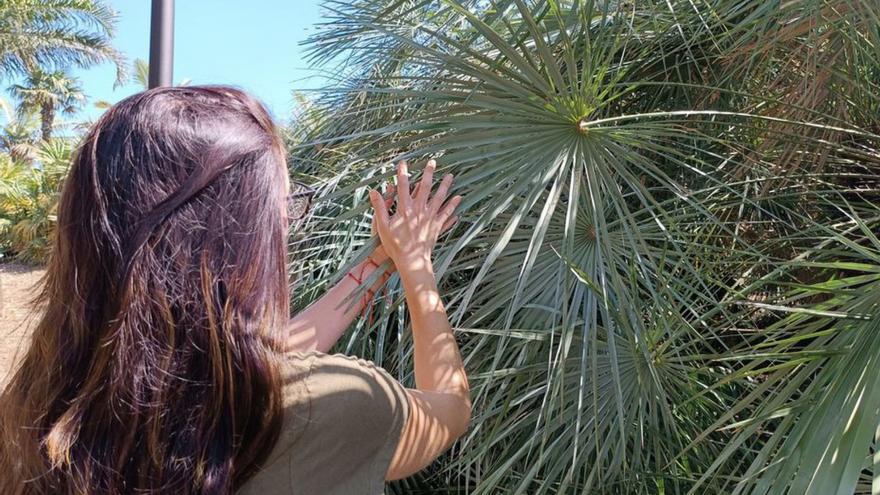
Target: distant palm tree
{"points": [[56, 34], [19, 135], [141, 77], [48, 92], [29, 200]]}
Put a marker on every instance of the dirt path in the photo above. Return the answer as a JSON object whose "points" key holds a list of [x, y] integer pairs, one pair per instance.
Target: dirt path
{"points": [[17, 283]]}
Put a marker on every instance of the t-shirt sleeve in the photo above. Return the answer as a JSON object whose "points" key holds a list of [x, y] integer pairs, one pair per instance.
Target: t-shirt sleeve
{"points": [[357, 414]]}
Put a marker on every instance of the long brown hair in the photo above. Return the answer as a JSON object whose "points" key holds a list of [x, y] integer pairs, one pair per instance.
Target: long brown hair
{"points": [[152, 368]]}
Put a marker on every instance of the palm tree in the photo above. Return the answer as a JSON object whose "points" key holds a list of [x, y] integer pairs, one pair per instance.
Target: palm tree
{"points": [[48, 92], [667, 253], [19, 135], [140, 76], [56, 34], [29, 200]]}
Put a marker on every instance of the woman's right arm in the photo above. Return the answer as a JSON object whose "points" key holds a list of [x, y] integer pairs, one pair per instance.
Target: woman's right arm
{"points": [[440, 406]]}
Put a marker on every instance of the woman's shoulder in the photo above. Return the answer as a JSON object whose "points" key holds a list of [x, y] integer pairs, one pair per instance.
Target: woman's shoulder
{"points": [[324, 357], [340, 379], [323, 361], [343, 419]]}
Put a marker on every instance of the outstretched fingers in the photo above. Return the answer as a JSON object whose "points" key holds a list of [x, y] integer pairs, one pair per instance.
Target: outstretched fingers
{"points": [[448, 209], [449, 223], [426, 184], [389, 201], [381, 212], [416, 189], [442, 191], [389, 196], [404, 200]]}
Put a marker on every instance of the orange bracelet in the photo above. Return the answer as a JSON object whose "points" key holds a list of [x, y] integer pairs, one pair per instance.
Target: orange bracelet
{"points": [[367, 307], [369, 295], [386, 273]]}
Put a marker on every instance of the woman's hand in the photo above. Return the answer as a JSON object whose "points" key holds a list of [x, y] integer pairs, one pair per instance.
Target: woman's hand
{"points": [[379, 255], [410, 234]]}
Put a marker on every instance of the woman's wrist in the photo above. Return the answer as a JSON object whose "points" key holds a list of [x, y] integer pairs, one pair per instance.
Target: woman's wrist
{"points": [[366, 270], [370, 266], [418, 276], [378, 258]]}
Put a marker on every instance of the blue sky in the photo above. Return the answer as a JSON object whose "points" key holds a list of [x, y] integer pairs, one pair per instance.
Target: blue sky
{"points": [[253, 45]]}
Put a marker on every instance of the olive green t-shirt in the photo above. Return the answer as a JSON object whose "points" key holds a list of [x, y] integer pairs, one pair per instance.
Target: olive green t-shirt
{"points": [[343, 417]]}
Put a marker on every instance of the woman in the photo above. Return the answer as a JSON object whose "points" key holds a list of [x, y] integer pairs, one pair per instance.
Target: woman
{"points": [[166, 361]]}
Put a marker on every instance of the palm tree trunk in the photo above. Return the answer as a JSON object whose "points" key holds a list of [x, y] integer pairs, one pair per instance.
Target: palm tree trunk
{"points": [[47, 120]]}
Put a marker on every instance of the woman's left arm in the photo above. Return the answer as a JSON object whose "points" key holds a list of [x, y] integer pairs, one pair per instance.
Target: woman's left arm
{"points": [[320, 325]]}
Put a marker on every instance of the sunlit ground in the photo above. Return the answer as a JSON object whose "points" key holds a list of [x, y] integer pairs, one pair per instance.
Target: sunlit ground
{"points": [[16, 316]]}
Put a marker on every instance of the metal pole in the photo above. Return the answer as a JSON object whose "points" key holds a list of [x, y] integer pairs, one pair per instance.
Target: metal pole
{"points": [[161, 43]]}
